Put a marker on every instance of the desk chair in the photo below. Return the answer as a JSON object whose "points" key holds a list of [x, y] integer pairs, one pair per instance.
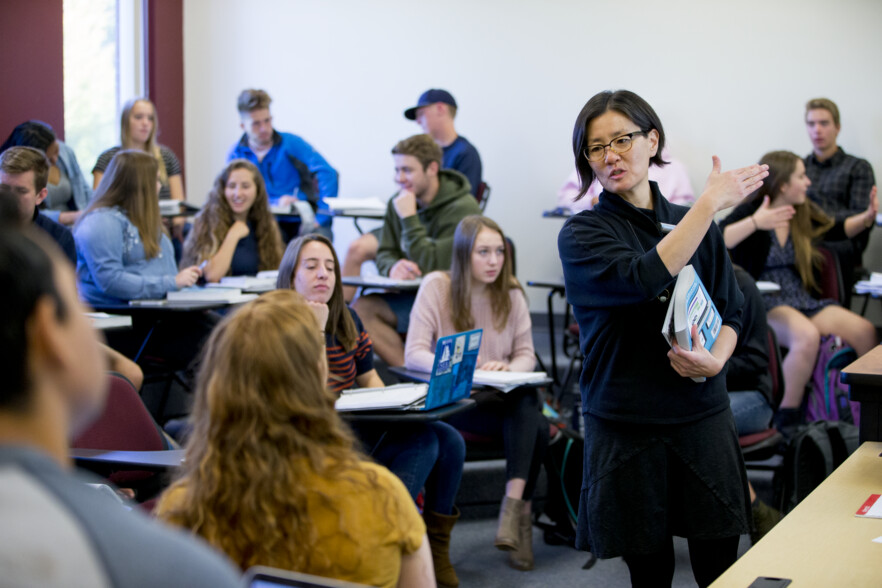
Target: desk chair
{"points": [[830, 277], [125, 425], [761, 446], [482, 195]]}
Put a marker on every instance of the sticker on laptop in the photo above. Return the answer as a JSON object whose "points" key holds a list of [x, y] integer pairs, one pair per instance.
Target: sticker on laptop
{"points": [[458, 349], [444, 363], [474, 341]]}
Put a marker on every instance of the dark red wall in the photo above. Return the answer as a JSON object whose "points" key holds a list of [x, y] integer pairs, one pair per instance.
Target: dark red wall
{"points": [[165, 70], [31, 64]]}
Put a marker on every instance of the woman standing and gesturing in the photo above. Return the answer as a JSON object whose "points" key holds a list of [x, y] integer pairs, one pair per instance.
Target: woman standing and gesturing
{"points": [[661, 452]]}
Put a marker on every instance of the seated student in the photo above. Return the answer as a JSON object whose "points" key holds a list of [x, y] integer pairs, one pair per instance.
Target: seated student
{"points": [[58, 531], [139, 128], [292, 169], [234, 232], [480, 292], [25, 171], [68, 191], [123, 253], [434, 112], [429, 455], [417, 237], [303, 499], [672, 179], [750, 387], [772, 235]]}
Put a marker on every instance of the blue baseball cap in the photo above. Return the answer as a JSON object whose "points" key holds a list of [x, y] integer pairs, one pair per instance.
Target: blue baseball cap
{"points": [[430, 97]]}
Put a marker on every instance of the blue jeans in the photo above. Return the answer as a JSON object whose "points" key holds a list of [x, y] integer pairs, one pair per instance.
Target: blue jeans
{"points": [[429, 455], [751, 411]]}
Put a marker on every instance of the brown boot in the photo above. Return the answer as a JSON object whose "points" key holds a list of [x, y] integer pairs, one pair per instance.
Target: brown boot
{"points": [[438, 527], [507, 535], [522, 557]]}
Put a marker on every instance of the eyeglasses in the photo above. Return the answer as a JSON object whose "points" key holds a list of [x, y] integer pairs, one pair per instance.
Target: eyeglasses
{"points": [[621, 144]]}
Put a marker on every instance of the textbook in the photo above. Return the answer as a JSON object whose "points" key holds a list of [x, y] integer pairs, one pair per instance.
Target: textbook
{"points": [[691, 305], [199, 294], [252, 284]]}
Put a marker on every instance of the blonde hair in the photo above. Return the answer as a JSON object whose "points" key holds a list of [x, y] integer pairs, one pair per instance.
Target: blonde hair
{"points": [[152, 147], [129, 183], [264, 423], [461, 275], [216, 217]]}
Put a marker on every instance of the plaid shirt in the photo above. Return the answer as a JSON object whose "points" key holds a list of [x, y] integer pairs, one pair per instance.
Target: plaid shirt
{"points": [[840, 185]]}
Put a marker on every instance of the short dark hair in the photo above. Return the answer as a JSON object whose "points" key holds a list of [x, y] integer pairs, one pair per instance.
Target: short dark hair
{"points": [[423, 147], [33, 133], [252, 99], [27, 273], [20, 160], [626, 103]]}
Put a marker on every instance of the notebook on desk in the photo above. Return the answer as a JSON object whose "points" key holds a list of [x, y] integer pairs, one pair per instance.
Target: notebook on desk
{"points": [[453, 370]]}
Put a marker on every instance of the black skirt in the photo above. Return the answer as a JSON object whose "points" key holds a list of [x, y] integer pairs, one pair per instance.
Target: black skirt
{"points": [[642, 484]]}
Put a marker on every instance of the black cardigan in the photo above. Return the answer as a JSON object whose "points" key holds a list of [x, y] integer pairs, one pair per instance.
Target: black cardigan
{"points": [[752, 253], [614, 276]]}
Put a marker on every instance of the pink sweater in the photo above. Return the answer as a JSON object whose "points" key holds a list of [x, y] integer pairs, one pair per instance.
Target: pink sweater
{"points": [[432, 318]]}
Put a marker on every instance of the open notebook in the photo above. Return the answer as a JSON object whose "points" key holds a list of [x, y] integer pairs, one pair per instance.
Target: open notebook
{"points": [[452, 372]]}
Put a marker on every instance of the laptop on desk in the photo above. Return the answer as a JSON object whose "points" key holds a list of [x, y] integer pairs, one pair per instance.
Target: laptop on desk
{"points": [[456, 357]]}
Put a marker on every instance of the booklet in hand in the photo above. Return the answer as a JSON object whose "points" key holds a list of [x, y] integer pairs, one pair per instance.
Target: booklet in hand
{"points": [[691, 305]]}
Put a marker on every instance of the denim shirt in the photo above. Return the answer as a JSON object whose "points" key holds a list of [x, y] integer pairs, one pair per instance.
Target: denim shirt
{"points": [[111, 266], [82, 192]]}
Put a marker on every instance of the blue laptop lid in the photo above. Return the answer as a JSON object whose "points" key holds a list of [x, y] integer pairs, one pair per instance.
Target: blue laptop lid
{"points": [[456, 357]]}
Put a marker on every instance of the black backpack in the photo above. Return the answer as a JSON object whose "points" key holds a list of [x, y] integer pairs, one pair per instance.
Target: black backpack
{"points": [[814, 451], [563, 470]]}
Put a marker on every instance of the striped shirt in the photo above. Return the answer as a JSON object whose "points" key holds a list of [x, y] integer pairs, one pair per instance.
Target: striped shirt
{"points": [[346, 365]]}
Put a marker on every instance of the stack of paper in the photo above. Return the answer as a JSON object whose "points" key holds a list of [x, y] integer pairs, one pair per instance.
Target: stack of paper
{"points": [[198, 294], [507, 381], [268, 274], [873, 286], [355, 206], [388, 397], [169, 206]]}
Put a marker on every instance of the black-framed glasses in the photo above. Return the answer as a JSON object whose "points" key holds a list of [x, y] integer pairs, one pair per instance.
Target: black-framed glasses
{"points": [[621, 144]]}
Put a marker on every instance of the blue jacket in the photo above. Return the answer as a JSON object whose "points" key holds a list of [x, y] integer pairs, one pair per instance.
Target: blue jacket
{"points": [[82, 192], [111, 266], [284, 167]]}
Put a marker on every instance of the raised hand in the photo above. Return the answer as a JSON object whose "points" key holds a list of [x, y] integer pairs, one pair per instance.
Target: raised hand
{"points": [[726, 189], [768, 219]]}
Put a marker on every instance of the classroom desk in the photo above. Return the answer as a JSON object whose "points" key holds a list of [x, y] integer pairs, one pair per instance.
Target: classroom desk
{"points": [[864, 377], [141, 460], [355, 215], [408, 416], [821, 543], [102, 321], [183, 209], [381, 282], [424, 377]]}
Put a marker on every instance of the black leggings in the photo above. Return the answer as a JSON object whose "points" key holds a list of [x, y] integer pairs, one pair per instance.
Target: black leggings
{"points": [[517, 415], [709, 557]]}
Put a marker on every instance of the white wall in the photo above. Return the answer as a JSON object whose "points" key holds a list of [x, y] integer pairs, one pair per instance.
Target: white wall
{"points": [[729, 78]]}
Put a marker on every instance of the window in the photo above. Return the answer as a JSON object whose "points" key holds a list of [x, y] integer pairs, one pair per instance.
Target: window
{"points": [[103, 67]]}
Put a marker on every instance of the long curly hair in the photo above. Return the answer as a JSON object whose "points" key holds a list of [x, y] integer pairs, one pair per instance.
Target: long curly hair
{"points": [[461, 276], [129, 182], [264, 424], [807, 225], [340, 322], [216, 217]]}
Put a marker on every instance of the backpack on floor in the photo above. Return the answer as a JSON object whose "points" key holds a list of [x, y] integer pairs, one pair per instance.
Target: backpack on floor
{"points": [[828, 397], [813, 452], [563, 470]]}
